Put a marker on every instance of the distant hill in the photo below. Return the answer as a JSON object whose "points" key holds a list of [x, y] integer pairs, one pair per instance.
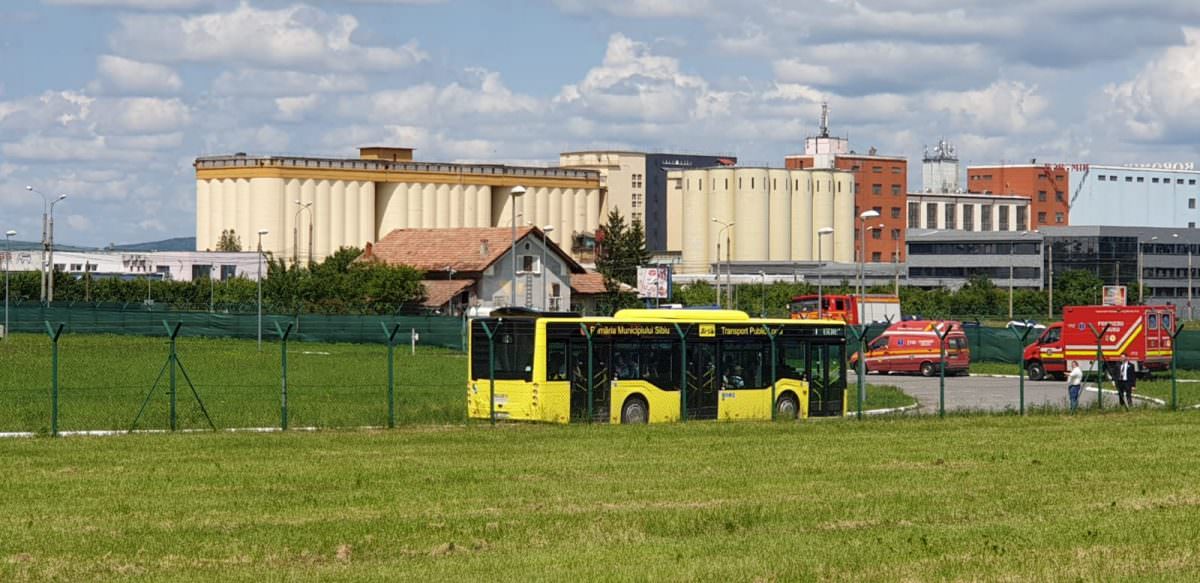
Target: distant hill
{"points": [[176, 244], [36, 245]]}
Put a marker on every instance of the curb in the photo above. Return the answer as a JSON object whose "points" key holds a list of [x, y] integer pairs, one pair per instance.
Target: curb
{"points": [[903, 409], [1160, 402]]}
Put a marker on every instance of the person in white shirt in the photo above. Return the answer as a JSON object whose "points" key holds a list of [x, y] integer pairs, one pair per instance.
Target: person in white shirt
{"points": [[1074, 384]]}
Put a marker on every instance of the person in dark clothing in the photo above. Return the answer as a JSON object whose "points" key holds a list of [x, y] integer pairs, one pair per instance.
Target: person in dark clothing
{"points": [[1126, 381]]}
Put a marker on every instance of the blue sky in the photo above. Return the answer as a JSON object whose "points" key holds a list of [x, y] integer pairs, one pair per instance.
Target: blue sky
{"points": [[111, 100]]}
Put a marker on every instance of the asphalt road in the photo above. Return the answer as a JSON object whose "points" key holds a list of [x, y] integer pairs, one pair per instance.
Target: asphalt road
{"points": [[982, 393]]}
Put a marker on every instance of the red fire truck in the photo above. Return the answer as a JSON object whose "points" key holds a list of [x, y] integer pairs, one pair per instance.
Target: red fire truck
{"points": [[847, 308], [1142, 332]]}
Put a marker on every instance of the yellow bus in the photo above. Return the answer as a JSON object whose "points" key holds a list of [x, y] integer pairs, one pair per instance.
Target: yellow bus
{"points": [[536, 366]]}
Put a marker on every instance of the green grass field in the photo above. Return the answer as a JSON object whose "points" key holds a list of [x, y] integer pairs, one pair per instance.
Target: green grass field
{"points": [[104, 380], [1109, 496]]}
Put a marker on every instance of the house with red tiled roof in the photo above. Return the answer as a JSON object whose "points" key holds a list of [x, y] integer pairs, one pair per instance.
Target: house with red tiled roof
{"points": [[476, 267]]}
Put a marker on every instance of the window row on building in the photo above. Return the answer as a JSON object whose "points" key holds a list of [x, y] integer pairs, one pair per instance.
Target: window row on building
{"points": [[982, 248], [993, 273], [1153, 179]]}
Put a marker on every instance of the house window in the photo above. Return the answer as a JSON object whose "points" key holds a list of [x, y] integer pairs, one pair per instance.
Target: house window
{"points": [[876, 169], [201, 272], [228, 272], [1022, 218], [1178, 181], [1154, 180], [76, 267], [985, 218], [897, 170], [635, 217], [969, 217], [876, 189], [1041, 218], [1004, 218], [1191, 182], [555, 290], [637, 200], [1041, 196], [1128, 179], [1191, 203], [895, 234], [950, 211], [896, 190], [1058, 195], [751, 183], [876, 257], [1141, 178], [931, 215], [876, 234], [1058, 218], [530, 264], [895, 212], [914, 215], [1103, 178]]}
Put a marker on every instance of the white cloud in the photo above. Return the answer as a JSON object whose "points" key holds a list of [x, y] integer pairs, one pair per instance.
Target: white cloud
{"points": [[130, 76], [859, 68], [141, 115], [429, 104], [79, 222], [1160, 102], [273, 83], [291, 109], [139, 4], [1004, 107], [296, 37], [639, 8]]}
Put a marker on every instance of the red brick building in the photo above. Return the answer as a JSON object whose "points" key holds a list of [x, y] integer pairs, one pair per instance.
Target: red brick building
{"points": [[880, 183], [1046, 185]]}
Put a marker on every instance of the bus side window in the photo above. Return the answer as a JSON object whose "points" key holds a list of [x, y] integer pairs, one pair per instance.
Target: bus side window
{"points": [[556, 361], [626, 361]]}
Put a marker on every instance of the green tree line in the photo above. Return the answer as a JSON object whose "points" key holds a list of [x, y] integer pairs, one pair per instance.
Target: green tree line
{"points": [[337, 285]]}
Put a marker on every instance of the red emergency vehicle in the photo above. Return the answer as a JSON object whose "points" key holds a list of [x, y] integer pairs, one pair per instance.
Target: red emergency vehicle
{"points": [[1142, 332], [874, 308], [913, 346]]}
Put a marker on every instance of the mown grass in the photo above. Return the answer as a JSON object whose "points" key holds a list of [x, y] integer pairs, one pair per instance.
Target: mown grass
{"points": [[104, 380], [994, 498]]}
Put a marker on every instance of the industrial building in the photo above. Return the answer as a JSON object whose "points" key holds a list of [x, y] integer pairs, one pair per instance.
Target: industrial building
{"points": [[879, 183], [1048, 186], [755, 215], [310, 207], [1129, 196], [165, 265], [938, 258], [968, 212], [636, 184]]}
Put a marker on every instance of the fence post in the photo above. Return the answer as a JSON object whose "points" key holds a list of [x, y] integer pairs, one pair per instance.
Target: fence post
{"points": [[391, 387], [1174, 347], [683, 385], [771, 337], [171, 362], [1021, 359], [283, 395], [860, 333], [54, 333], [1099, 363], [491, 336], [942, 370]]}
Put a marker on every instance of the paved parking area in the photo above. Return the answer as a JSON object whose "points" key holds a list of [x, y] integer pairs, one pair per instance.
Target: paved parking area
{"points": [[982, 392]]}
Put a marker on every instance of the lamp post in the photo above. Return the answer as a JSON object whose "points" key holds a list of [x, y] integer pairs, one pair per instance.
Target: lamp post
{"points": [[450, 271], [862, 264], [261, 232], [1050, 279], [546, 230], [304, 206], [820, 273], [513, 193], [8, 235], [47, 243], [1142, 269], [725, 227], [762, 313], [50, 273]]}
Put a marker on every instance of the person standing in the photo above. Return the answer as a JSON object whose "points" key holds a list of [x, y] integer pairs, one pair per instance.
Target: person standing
{"points": [[1126, 381], [1074, 384]]}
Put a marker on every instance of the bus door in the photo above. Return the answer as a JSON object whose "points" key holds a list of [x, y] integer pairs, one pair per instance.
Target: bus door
{"points": [[600, 380], [827, 379], [703, 386]]}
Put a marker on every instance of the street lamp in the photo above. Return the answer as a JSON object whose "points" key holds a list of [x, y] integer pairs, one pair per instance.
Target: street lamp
{"points": [[762, 313], [862, 264], [820, 271], [513, 193], [47, 243], [8, 235], [261, 232], [1142, 269], [304, 206], [725, 228], [546, 230]]}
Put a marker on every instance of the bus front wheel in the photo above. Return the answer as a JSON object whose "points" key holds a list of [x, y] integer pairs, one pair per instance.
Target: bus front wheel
{"points": [[1036, 370], [786, 407], [635, 411]]}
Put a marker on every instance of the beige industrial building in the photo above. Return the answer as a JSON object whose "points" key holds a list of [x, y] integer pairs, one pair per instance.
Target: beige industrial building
{"points": [[776, 216], [310, 207]]}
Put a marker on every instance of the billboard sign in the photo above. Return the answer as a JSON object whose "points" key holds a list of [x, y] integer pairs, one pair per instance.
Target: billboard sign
{"points": [[1114, 295], [654, 282]]}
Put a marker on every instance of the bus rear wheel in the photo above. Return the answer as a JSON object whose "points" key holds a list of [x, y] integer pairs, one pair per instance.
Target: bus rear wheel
{"points": [[927, 369], [786, 407], [635, 411]]}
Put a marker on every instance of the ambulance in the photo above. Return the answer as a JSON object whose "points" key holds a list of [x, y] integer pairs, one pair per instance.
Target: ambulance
{"points": [[1141, 332], [912, 346]]}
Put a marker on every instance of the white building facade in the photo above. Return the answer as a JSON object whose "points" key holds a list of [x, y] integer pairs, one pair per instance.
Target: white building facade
{"points": [[1135, 196], [968, 212], [166, 265]]}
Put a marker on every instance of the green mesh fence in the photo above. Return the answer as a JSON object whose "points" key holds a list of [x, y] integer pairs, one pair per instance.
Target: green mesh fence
{"points": [[431, 330]]}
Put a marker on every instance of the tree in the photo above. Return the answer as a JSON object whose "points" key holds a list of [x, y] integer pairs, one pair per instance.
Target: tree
{"points": [[622, 249], [229, 241]]}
